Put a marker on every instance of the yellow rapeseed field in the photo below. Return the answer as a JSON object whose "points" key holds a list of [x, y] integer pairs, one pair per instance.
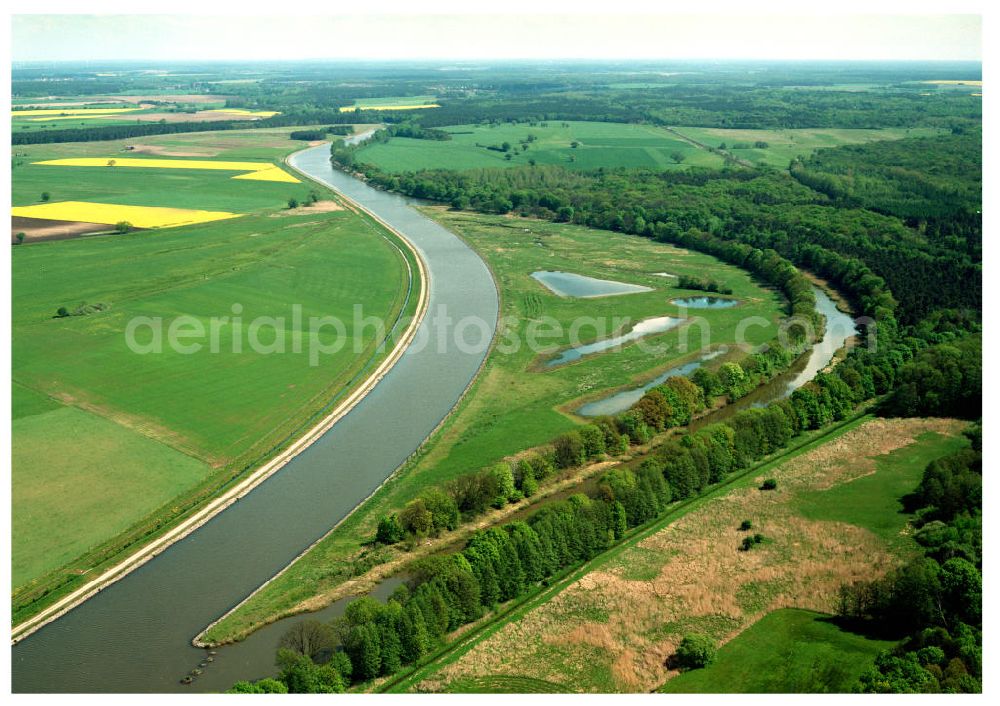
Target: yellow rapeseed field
{"points": [[270, 174], [111, 213], [71, 112], [70, 117], [351, 108], [261, 171]]}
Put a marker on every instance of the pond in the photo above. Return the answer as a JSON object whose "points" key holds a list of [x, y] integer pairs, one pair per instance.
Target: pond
{"points": [[567, 284], [646, 327], [620, 401], [705, 302]]}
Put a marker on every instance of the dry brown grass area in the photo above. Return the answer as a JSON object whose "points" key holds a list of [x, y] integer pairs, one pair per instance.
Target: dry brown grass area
{"points": [[613, 629]]}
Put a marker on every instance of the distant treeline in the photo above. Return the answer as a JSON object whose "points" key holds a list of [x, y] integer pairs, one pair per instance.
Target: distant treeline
{"points": [[702, 285], [128, 130], [320, 133]]}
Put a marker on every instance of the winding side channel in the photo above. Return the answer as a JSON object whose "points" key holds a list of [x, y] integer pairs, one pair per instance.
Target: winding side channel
{"points": [[135, 635]]}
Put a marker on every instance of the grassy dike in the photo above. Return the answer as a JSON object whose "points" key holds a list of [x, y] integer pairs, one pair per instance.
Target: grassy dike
{"points": [[318, 400], [516, 609]]}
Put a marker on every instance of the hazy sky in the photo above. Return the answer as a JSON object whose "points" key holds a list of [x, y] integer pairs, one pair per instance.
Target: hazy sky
{"points": [[670, 36]]}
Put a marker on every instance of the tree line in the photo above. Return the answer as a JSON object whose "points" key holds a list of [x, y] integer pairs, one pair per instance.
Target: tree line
{"points": [[934, 601]]}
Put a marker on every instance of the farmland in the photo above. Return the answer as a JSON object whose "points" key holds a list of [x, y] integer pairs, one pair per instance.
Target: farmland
{"points": [[596, 145], [87, 112], [782, 146], [142, 438], [615, 623], [183, 186], [515, 403]]}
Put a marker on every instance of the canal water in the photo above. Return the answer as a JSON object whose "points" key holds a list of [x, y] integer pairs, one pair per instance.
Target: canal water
{"points": [[135, 635]]}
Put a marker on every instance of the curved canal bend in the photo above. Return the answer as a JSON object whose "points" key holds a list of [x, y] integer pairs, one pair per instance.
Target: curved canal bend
{"points": [[135, 635]]}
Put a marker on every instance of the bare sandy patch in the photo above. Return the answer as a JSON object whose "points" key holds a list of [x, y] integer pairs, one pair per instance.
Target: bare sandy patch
{"points": [[690, 576], [38, 229], [165, 151], [202, 116], [318, 207]]}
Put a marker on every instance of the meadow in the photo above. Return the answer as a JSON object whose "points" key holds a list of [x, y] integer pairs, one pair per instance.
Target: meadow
{"points": [[140, 439], [788, 651], [597, 145], [516, 403], [612, 625], [785, 145]]}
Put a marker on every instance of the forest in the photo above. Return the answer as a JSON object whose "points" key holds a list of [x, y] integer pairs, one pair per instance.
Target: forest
{"points": [[925, 258]]}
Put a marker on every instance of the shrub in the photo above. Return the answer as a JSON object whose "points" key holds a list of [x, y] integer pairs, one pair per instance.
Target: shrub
{"points": [[769, 484], [694, 652], [570, 450], [746, 525], [389, 530]]}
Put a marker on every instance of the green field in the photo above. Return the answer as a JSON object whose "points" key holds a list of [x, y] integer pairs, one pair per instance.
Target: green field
{"points": [[394, 100], [149, 435], [787, 651], [62, 506], [875, 501], [786, 145], [514, 405], [600, 145]]}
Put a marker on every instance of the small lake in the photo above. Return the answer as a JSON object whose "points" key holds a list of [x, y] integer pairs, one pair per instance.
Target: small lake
{"points": [[567, 284], [620, 401], [705, 302], [646, 327]]}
